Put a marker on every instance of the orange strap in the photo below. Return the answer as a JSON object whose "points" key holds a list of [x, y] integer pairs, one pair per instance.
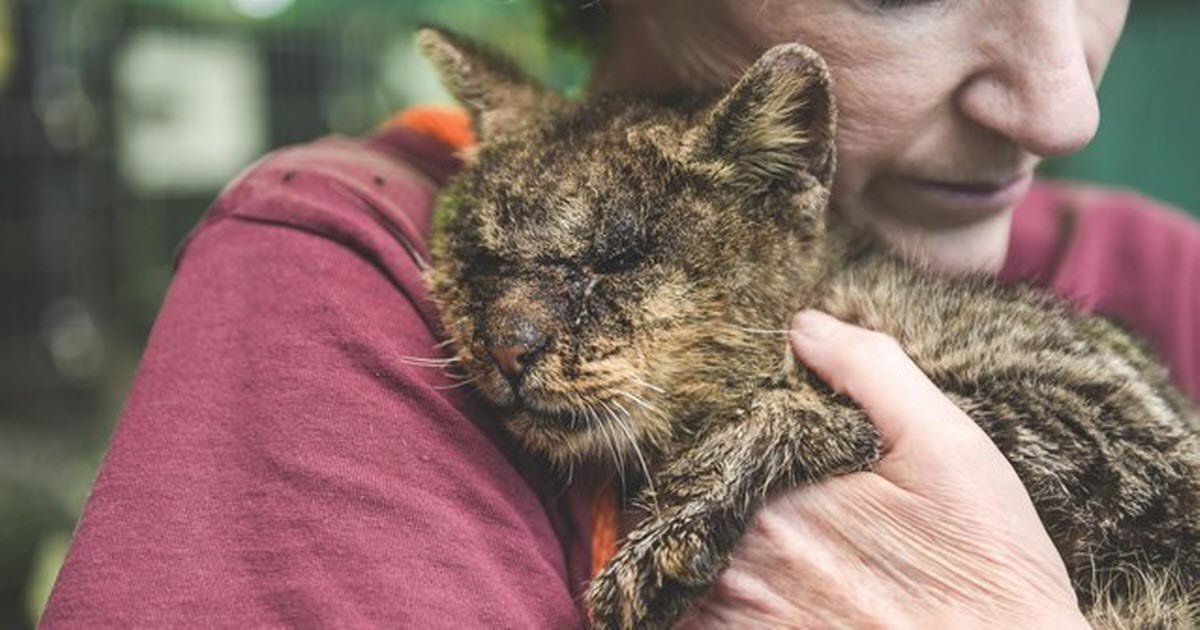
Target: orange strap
{"points": [[449, 124], [604, 525], [452, 126]]}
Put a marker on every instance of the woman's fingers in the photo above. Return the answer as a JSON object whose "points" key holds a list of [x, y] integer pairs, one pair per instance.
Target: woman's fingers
{"points": [[931, 447], [874, 371]]}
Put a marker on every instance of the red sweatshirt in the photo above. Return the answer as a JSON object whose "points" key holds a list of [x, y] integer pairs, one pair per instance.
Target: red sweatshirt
{"points": [[279, 462]]}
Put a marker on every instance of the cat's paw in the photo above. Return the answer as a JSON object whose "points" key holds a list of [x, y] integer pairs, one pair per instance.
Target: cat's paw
{"points": [[661, 569]]}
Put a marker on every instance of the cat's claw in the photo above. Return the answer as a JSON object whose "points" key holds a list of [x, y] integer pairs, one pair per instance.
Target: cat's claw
{"points": [[653, 578]]}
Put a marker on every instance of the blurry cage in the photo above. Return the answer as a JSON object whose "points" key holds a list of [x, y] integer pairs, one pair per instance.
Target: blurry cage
{"points": [[119, 123]]}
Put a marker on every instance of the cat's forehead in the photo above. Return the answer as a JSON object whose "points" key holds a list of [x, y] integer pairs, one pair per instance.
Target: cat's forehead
{"points": [[560, 194], [561, 214]]}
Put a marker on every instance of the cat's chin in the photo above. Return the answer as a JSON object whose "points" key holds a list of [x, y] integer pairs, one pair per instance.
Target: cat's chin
{"points": [[564, 419], [564, 435]]}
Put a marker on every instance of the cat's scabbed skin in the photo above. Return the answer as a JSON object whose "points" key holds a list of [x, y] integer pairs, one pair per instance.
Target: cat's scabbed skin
{"points": [[615, 274]]}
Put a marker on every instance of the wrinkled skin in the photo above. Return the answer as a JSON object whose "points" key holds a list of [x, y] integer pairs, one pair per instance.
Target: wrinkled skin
{"points": [[937, 98]]}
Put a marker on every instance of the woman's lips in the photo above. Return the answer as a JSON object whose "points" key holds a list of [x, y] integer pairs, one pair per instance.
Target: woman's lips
{"points": [[977, 194], [1002, 193], [948, 203]]}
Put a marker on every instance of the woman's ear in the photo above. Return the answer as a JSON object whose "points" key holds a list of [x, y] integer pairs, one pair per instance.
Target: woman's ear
{"points": [[775, 127], [497, 94]]}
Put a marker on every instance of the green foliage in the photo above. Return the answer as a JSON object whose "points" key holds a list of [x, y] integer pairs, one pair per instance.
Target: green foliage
{"points": [[579, 24]]}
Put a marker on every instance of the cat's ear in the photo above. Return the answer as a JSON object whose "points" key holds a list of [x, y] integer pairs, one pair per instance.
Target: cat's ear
{"points": [[775, 127], [496, 93]]}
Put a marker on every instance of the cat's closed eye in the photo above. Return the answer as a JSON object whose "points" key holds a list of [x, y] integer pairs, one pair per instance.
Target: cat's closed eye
{"points": [[487, 262], [625, 260]]}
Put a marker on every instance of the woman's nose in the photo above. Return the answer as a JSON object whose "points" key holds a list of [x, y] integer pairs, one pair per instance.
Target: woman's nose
{"points": [[1037, 87]]}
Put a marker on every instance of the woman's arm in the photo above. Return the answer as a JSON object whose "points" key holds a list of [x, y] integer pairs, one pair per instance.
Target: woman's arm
{"points": [[280, 462]]}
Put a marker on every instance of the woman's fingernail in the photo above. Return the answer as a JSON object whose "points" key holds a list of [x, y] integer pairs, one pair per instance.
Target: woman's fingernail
{"points": [[813, 325]]}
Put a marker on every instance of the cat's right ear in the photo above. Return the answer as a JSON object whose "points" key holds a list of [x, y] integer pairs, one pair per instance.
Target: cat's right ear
{"points": [[775, 126], [495, 92]]}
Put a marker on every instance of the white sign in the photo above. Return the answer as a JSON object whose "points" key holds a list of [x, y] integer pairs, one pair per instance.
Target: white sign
{"points": [[191, 111]]}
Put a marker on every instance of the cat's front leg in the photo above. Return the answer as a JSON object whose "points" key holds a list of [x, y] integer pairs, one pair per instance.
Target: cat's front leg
{"points": [[706, 496]]}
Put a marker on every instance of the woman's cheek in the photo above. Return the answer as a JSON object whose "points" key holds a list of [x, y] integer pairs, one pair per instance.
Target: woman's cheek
{"points": [[868, 138]]}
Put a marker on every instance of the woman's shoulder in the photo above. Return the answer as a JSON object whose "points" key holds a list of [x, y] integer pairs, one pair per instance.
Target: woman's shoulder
{"points": [[1061, 218], [1119, 254], [288, 438], [372, 194]]}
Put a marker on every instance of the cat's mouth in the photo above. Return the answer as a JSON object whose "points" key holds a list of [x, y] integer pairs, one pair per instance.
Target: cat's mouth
{"points": [[558, 416], [593, 415], [569, 421], [541, 407]]}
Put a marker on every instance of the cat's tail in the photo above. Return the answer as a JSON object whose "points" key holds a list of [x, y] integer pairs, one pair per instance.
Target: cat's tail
{"points": [[1138, 600]]}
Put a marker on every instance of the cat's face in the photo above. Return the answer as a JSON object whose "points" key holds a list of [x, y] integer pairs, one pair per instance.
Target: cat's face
{"points": [[595, 259]]}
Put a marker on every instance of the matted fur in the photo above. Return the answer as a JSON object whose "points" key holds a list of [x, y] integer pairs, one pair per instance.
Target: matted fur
{"points": [[646, 253], [1141, 600]]}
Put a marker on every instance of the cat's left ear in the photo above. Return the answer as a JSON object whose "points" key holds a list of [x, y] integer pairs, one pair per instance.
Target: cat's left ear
{"points": [[775, 127], [496, 93]]}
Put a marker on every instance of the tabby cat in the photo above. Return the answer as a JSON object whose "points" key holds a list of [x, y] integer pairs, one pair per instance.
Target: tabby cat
{"points": [[608, 269]]}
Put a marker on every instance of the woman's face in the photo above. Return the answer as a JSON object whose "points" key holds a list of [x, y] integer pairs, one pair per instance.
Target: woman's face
{"points": [[946, 106]]}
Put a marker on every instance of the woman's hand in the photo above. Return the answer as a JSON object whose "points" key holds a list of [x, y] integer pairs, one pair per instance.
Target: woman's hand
{"points": [[940, 533]]}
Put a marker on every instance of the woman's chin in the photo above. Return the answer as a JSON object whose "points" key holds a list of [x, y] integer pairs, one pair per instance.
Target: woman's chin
{"points": [[975, 246]]}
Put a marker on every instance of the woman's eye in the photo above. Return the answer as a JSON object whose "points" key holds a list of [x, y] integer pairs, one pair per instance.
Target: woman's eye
{"points": [[899, 4]]}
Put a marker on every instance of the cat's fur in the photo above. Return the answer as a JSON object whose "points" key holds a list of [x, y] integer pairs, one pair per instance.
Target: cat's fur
{"points": [[636, 257]]}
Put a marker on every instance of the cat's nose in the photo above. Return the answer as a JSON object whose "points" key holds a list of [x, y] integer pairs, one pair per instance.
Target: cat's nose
{"points": [[511, 360], [517, 353]]}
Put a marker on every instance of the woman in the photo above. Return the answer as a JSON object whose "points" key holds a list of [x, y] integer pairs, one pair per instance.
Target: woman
{"points": [[279, 462]]}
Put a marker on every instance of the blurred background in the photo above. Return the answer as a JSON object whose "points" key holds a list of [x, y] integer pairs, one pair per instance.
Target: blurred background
{"points": [[121, 119]]}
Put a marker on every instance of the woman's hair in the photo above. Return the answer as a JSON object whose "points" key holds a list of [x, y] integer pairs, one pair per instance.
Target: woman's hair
{"points": [[576, 23]]}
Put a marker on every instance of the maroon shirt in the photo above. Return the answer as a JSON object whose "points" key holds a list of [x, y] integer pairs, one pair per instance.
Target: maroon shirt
{"points": [[279, 462], [1120, 255]]}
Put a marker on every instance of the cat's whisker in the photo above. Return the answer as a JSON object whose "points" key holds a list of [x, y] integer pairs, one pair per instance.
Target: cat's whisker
{"points": [[443, 344], [650, 386], [618, 456], [610, 441], [428, 361], [434, 364], [409, 357], [646, 406], [461, 383], [589, 416], [442, 365], [623, 424], [621, 452], [594, 422], [639, 401], [454, 375]]}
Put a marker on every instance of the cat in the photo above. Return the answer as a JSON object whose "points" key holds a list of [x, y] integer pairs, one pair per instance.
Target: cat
{"points": [[613, 272]]}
